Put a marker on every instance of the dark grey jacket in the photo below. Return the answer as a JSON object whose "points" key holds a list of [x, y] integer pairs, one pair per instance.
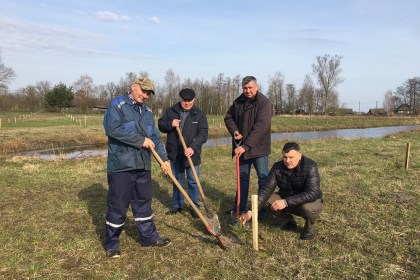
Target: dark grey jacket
{"points": [[195, 132], [297, 186], [253, 120]]}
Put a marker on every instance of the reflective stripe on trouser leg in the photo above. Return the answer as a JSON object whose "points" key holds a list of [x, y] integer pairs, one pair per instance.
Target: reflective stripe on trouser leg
{"points": [[119, 197], [141, 204]]}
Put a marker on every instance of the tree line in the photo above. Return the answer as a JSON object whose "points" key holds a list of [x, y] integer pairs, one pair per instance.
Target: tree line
{"points": [[317, 95]]}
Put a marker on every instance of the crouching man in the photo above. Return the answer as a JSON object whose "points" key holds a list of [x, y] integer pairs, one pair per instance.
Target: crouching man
{"points": [[299, 192]]}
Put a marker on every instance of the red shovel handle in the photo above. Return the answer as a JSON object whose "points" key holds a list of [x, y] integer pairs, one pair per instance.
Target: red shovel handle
{"points": [[238, 185]]}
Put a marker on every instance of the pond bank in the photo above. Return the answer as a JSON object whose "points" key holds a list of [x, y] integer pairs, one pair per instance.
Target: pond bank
{"points": [[92, 150]]}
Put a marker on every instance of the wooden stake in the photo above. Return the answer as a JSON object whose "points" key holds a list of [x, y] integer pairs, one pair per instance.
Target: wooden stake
{"points": [[407, 156], [85, 121], [254, 200]]}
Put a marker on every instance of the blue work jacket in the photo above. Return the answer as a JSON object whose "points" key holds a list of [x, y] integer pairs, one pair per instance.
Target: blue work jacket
{"points": [[126, 128]]}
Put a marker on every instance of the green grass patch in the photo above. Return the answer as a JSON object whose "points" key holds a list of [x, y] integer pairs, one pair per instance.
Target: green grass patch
{"points": [[53, 220]]}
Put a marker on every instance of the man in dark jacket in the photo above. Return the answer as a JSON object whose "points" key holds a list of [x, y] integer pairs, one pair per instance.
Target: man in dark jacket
{"points": [[194, 127], [131, 131], [248, 120], [299, 190]]}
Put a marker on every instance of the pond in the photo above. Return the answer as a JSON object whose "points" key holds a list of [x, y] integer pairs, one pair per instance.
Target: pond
{"points": [[376, 132]]}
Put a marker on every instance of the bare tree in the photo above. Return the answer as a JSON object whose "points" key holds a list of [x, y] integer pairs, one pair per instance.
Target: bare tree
{"points": [[291, 98], [409, 93], [7, 75], [389, 102], [306, 100], [172, 87], [84, 90], [327, 71], [276, 92]]}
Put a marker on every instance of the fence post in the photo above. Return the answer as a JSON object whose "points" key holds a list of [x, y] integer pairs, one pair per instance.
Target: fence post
{"points": [[254, 200], [407, 156]]}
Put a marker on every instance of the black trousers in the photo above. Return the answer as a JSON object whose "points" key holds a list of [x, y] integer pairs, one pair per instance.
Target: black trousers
{"points": [[309, 211]]}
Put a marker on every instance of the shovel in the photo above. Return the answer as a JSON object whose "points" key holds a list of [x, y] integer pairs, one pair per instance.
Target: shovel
{"points": [[210, 215], [238, 186], [184, 193]]}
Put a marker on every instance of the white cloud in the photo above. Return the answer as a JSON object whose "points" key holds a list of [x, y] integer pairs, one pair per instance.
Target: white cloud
{"points": [[18, 35], [110, 16], [154, 20]]}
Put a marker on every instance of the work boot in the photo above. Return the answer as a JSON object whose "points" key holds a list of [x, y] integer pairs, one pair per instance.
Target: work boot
{"points": [[194, 214], [291, 225], [174, 211], [308, 231], [113, 253], [163, 242]]}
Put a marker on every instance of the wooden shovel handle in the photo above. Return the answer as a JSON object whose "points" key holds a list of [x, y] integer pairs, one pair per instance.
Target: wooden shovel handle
{"points": [[191, 163], [184, 193]]}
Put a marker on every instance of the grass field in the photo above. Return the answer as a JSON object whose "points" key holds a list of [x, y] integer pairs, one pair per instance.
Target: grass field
{"points": [[53, 219]]}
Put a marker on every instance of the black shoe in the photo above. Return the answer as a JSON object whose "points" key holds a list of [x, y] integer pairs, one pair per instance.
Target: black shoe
{"points": [[194, 215], [291, 225], [307, 235], [113, 253], [163, 242], [173, 211]]}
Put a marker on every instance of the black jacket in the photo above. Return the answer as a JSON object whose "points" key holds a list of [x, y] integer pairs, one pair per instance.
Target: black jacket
{"points": [[253, 120], [195, 132], [297, 186]]}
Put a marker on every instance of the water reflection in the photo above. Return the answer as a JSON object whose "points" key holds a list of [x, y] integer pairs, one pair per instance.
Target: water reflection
{"points": [[376, 132]]}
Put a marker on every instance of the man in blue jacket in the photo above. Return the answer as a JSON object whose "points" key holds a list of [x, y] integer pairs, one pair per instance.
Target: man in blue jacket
{"points": [[194, 127], [131, 131]]}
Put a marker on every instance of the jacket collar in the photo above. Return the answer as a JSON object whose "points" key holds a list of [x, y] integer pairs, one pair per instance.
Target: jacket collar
{"points": [[243, 98]]}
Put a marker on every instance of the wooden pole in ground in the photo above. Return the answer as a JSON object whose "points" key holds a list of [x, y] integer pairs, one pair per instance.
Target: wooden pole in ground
{"points": [[85, 121], [407, 156], [0, 123], [254, 200]]}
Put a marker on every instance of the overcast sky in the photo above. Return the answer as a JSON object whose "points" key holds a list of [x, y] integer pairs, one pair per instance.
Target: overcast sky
{"points": [[58, 41]]}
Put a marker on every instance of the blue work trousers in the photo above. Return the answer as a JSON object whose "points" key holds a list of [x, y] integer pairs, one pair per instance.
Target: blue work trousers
{"points": [[130, 187]]}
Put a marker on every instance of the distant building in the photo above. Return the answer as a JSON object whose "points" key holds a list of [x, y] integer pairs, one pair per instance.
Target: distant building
{"points": [[377, 112], [404, 109], [341, 111]]}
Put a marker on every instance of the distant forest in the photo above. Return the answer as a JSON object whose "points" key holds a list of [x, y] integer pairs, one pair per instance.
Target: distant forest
{"points": [[318, 94]]}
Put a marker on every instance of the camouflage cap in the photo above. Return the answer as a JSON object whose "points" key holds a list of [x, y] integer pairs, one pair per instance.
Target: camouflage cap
{"points": [[145, 84]]}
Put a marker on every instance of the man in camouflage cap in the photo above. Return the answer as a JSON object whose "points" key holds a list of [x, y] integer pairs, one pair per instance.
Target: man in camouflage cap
{"points": [[130, 127], [145, 83]]}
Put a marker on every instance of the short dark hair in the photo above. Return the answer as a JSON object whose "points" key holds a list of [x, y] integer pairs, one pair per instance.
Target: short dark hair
{"points": [[248, 79], [291, 146]]}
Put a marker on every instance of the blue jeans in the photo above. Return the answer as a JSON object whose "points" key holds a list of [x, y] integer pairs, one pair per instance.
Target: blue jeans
{"points": [[179, 171], [261, 166]]}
